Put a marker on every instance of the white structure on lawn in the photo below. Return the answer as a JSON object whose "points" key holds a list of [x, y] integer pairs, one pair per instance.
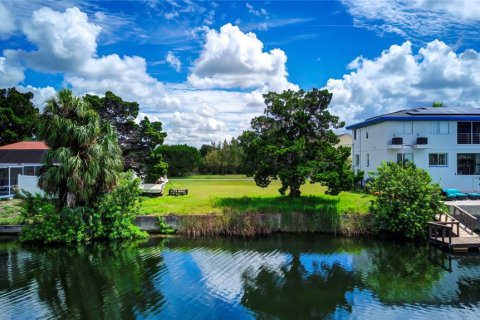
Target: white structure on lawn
{"points": [[444, 141]]}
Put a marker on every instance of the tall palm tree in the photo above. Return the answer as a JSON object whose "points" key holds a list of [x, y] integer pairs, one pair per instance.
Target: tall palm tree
{"points": [[85, 158]]}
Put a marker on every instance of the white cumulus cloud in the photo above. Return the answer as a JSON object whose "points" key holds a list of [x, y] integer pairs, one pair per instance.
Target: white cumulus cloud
{"points": [[199, 126], [208, 115], [233, 59], [400, 79], [65, 40], [67, 43]]}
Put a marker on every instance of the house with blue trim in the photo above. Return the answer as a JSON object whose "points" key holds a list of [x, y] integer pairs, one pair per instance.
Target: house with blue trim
{"points": [[444, 141]]}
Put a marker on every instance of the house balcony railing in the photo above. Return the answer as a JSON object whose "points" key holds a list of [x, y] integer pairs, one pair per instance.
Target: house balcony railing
{"points": [[468, 138]]}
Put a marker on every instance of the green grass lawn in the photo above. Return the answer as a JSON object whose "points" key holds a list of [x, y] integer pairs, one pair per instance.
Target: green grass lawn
{"points": [[216, 177], [217, 194], [10, 211]]}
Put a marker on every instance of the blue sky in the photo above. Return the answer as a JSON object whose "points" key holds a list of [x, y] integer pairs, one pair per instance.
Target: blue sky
{"points": [[201, 67]]}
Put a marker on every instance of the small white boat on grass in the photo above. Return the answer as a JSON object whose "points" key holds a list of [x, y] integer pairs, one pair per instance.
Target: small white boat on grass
{"points": [[154, 188]]}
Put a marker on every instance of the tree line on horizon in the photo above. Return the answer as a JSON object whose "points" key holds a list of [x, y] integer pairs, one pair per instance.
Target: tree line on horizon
{"points": [[138, 140], [293, 141]]}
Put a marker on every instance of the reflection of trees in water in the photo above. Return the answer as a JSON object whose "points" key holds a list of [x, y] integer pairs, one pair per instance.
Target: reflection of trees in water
{"points": [[395, 274], [298, 294], [401, 273], [469, 291], [317, 278], [99, 281]]}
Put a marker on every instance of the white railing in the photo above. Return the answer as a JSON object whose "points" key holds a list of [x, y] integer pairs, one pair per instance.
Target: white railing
{"points": [[468, 138]]}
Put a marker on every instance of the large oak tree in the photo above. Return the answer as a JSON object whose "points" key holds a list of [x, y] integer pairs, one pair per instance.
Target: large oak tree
{"points": [[294, 142]]}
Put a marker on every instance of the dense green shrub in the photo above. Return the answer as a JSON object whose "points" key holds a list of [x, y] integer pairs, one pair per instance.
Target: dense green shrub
{"points": [[116, 211], [405, 198], [110, 218], [44, 222], [165, 227]]}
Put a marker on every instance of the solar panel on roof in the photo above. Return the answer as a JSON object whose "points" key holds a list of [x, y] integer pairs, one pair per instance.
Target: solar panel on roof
{"points": [[445, 111]]}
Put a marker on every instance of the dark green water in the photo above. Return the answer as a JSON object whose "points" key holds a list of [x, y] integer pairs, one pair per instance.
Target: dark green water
{"points": [[282, 276]]}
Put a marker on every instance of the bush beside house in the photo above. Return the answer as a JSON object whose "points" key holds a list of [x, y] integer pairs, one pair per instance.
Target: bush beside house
{"points": [[405, 199]]}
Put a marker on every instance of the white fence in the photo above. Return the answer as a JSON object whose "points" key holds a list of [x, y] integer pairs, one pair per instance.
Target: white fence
{"points": [[29, 184]]}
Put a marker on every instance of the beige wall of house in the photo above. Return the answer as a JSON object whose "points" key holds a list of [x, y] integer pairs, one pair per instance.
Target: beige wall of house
{"points": [[345, 140]]}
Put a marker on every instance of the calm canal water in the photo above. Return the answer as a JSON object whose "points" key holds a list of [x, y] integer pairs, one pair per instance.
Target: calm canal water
{"points": [[279, 277]]}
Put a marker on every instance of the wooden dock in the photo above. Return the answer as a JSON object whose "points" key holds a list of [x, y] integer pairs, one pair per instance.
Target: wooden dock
{"points": [[454, 231]]}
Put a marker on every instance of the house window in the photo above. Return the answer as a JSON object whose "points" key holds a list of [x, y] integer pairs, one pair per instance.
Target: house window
{"points": [[368, 160], [438, 159], [405, 127], [468, 132], [354, 134], [468, 164], [357, 159], [404, 157], [439, 127], [366, 134]]}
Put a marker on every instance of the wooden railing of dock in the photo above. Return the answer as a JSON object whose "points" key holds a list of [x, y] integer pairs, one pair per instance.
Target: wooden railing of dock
{"points": [[465, 218], [454, 231]]}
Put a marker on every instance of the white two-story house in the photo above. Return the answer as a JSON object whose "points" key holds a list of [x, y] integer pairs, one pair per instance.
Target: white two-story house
{"points": [[444, 141]]}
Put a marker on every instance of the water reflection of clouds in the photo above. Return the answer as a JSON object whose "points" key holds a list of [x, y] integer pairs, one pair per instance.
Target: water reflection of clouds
{"points": [[212, 280], [223, 271], [317, 263]]}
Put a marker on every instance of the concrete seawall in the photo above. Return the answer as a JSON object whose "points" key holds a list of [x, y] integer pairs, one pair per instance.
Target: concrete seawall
{"points": [[246, 224], [148, 223], [10, 229]]}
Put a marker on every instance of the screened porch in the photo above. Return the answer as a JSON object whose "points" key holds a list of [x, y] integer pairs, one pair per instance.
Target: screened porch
{"points": [[9, 177]]}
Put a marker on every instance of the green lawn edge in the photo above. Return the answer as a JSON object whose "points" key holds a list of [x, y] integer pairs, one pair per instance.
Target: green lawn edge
{"points": [[232, 194]]}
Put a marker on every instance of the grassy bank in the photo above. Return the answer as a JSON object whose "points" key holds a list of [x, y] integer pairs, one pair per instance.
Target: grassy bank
{"points": [[234, 205], [219, 194], [10, 212]]}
